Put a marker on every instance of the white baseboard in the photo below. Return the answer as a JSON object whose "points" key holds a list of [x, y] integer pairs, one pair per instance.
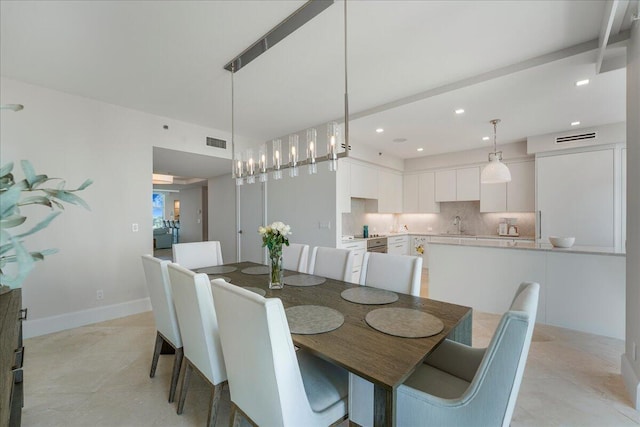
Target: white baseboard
{"points": [[47, 325], [631, 381]]}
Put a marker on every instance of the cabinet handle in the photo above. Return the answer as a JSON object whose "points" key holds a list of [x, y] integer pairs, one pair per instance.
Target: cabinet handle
{"points": [[23, 314], [539, 224]]}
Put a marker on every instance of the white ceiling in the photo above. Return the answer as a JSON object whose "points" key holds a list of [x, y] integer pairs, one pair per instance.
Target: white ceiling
{"points": [[167, 58]]}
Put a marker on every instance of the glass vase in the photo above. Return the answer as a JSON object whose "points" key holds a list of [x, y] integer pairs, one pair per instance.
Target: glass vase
{"points": [[276, 272]]}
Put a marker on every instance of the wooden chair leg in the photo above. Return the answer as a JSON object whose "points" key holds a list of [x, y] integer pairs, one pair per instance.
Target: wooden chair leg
{"points": [[216, 391], [177, 365], [185, 386], [156, 354]]}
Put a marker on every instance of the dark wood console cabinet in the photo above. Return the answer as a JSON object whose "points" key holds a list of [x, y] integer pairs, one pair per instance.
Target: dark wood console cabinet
{"points": [[11, 358]]}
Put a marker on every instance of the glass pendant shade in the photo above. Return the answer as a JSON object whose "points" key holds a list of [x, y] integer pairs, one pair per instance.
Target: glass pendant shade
{"points": [[277, 159], [312, 146], [495, 172]]}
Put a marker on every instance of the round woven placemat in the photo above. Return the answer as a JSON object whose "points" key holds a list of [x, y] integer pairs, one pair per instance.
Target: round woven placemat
{"points": [[369, 296], [259, 269], [404, 322], [313, 319], [304, 280], [217, 269], [258, 291]]}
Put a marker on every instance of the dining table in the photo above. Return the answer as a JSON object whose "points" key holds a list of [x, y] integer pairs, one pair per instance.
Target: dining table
{"points": [[380, 358]]}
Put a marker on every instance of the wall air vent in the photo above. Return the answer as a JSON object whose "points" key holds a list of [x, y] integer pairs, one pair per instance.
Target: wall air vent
{"points": [[215, 142], [584, 137]]}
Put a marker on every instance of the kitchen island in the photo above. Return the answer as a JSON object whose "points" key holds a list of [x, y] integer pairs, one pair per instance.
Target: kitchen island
{"points": [[581, 288]]}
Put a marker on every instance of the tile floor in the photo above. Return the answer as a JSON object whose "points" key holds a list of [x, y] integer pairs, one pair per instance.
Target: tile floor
{"points": [[98, 375]]}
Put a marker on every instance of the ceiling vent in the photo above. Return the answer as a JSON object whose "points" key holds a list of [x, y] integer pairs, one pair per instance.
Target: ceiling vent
{"points": [[215, 142], [589, 136]]}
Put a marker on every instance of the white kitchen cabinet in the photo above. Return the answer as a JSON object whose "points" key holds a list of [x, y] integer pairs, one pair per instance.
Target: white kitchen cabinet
{"points": [[389, 192], [521, 191], [446, 186], [364, 181], [343, 183], [575, 196], [359, 248], [398, 245], [427, 193], [420, 193], [468, 184], [457, 185], [515, 196], [493, 197], [411, 191]]}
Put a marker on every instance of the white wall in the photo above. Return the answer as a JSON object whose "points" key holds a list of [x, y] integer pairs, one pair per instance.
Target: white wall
{"points": [[631, 364], [77, 138]]}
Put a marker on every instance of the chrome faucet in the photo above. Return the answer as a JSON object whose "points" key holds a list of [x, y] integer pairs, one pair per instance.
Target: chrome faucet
{"points": [[458, 221]]}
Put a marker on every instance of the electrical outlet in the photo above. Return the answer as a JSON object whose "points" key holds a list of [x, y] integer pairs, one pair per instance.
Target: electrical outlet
{"points": [[324, 225], [99, 294], [134, 227]]}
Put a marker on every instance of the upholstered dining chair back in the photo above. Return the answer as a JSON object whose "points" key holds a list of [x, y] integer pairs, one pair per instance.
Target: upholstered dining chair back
{"points": [[196, 255], [296, 257], [460, 385], [398, 273], [265, 373], [333, 263], [198, 323], [164, 312]]}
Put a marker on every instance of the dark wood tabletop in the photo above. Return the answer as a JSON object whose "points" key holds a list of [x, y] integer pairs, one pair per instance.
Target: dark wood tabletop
{"points": [[382, 359]]}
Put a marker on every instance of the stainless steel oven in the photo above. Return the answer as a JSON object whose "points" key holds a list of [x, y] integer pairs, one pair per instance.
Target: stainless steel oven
{"points": [[377, 244]]}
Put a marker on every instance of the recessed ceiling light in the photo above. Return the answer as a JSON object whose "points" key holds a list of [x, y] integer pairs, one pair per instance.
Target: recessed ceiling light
{"points": [[485, 138], [575, 123], [582, 82], [420, 149], [459, 111], [379, 130]]}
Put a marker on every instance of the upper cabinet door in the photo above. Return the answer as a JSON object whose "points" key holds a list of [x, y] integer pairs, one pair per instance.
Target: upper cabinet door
{"points": [[427, 193], [521, 196], [389, 192], [364, 181], [493, 197], [468, 184], [446, 186], [410, 199]]}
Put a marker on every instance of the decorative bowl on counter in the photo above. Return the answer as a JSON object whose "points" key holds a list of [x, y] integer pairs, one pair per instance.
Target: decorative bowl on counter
{"points": [[561, 242]]}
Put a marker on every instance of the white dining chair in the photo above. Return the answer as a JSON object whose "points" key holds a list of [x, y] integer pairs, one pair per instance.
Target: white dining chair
{"points": [[332, 263], [398, 273], [460, 385], [196, 255], [295, 257], [164, 313], [271, 383], [199, 326]]}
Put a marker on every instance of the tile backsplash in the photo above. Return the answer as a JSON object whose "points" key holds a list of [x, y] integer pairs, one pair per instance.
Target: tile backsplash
{"points": [[473, 222]]}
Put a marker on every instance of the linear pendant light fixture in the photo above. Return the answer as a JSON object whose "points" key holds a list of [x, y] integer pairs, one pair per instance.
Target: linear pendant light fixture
{"points": [[495, 172], [246, 167]]}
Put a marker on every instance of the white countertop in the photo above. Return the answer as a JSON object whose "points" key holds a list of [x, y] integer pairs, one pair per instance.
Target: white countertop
{"points": [[526, 245]]}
